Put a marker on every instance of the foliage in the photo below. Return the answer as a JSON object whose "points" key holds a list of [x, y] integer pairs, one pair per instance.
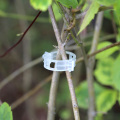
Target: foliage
{"points": [[94, 7], [106, 100], [106, 2], [103, 72], [119, 98], [118, 36], [116, 73], [106, 53], [69, 3], [65, 114], [57, 14], [117, 10], [107, 72], [5, 112], [107, 67], [82, 93], [41, 4]]}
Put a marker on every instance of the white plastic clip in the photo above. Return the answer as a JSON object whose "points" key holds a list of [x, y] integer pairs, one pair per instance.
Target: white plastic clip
{"points": [[59, 65]]}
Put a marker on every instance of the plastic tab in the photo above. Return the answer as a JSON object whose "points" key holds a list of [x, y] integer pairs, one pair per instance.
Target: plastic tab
{"points": [[59, 65]]}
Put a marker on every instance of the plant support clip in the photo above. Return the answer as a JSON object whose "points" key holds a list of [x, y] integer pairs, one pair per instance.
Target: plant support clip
{"points": [[59, 65]]}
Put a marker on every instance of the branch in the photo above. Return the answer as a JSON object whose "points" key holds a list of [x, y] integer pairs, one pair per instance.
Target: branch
{"points": [[64, 57], [38, 60], [90, 67], [106, 37], [30, 93], [53, 92], [6, 52], [19, 71]]}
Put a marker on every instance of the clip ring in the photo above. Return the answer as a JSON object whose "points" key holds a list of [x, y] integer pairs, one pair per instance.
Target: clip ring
{"points": [[59, 65]]}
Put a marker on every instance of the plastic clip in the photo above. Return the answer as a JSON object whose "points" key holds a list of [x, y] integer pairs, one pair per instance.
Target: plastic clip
{"points": [[59, 65]]}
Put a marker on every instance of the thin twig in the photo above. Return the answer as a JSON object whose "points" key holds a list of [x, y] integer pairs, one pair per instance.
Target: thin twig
{"points": [[55, 81], [64, 57], [31, 92], [82, 48], [11, 48], [90, 67], [28, 95], [103, 49], [53, 92], [38, 60], [19, 71], [74, 47]]}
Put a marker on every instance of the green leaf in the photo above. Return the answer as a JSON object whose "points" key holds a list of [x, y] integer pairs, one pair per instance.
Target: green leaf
{"points": [[117, 10], [41, 4], [106, 100], [65, 114], [106, 2], [103, 72], [5, 112], [69, 3], [116, 73], [119, 98], [118, 35], [99, 117], [105, 53], [57, 14], [82, 94], [94, 7]]}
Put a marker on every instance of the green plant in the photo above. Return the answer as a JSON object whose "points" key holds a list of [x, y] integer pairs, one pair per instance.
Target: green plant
{"points": [[5, 112], [91, 95]]}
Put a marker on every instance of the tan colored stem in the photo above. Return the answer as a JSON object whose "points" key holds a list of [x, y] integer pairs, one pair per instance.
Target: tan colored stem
{"points": [[64, 57], [53, 92], [90, 67]]}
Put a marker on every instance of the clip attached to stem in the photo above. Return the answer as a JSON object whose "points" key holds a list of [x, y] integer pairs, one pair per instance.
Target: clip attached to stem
{"points": [[59, 65]]}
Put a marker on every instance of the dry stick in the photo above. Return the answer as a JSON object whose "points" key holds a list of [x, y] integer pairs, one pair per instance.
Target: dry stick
{"points": [[53, 92], [64, 57], [33, 63], [30, 93], [90, 67], [54, 83], [38, 60], [19, 71]]}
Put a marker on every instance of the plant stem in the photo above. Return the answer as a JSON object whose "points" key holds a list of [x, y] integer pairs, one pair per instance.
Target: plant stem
{"points": [[64, 57], [38, 60], [31, 92], [53, 92], [90, 67], [19, 71]]}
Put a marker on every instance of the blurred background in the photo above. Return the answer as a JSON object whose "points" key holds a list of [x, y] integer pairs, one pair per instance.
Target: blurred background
{"points": [[15, 17]]}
